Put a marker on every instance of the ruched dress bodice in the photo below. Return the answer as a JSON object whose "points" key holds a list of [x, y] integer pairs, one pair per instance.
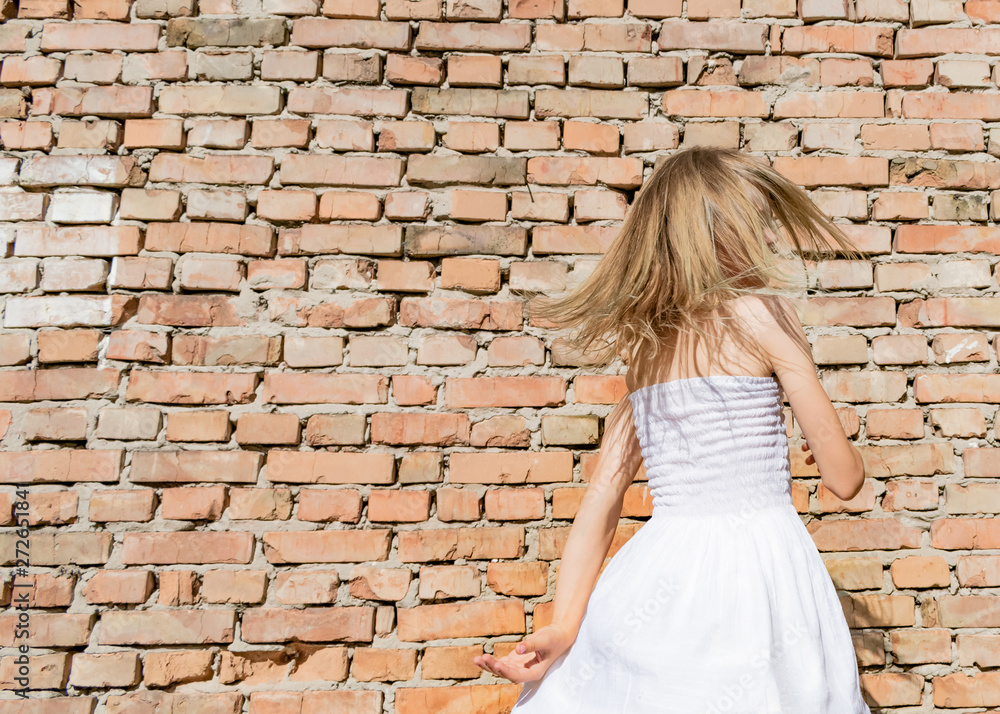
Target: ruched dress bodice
{"points": [[713, 444]]}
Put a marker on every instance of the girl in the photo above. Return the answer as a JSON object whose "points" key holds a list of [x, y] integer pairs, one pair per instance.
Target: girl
{"points": [[720, 602]]}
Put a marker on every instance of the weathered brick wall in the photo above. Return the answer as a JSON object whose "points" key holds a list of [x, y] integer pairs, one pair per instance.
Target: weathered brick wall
{"points": [[289, 438]]}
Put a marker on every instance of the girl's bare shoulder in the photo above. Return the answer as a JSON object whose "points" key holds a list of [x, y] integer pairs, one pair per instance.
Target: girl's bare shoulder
{"points": [[775, 324], [763, 310]]}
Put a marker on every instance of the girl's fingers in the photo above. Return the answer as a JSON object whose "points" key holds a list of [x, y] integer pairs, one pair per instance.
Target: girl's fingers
{"points": [[500, 669], [495, 666], [504, 671], [485, 661]]}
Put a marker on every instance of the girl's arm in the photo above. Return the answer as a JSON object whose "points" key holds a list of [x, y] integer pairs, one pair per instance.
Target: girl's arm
{"points": [[586, 548], [841, 467], [596, 520]]}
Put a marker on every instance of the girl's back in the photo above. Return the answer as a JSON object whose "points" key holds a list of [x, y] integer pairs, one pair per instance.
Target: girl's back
{"points": [[684, 358]]}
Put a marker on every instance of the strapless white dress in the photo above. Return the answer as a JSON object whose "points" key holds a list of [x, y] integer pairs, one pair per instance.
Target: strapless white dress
{"points": [[720, 603]]}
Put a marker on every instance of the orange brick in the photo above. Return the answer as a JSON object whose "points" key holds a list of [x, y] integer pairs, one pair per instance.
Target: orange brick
{"points": [[193, 504], [399, 506], [267, 429]]}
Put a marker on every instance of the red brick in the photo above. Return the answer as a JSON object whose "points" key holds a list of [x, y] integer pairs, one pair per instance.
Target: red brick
{"points": [[110, 171], [199, 426], [325, 388], [188, 311], [67, 424], [37, 70], [217, 274], [138, 37], [399, 506], [211, 238], [233, 99], [191, 387], [167, 627], [716, 35], [193, 504], [280, 132], [214, 168], [187, 547], [367, 34], [120, 102], [60, 465], [119, 587], [268, 274], [101, 10], [286, 205], [63, 548], [228, 586], [126, 505], [26, 135], [714, 103], [315, 170], [218, 133], [214, 351], [340, 505], [858, 39], [830, 105], [14, 349], [260, 504], [298, 66], [329, 467], [473, 543], [619, 173], [154, 133], [267, 429], [412, 700], [340, 546], [51, 629], [138, 346], [82, 240], [472, 619], [342, 623], [159, 205], [102, 134], [834, 170], [59, 384]]}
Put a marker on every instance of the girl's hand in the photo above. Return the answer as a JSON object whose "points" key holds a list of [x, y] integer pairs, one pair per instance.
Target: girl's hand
{"points": [[531, 658], [809, 459]]}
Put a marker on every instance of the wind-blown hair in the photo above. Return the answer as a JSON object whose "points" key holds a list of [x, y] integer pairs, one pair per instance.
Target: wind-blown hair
{"points": [[709, 225]]}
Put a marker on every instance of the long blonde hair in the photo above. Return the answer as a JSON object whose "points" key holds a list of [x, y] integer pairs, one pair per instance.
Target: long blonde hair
{"points": [[710, 224]]}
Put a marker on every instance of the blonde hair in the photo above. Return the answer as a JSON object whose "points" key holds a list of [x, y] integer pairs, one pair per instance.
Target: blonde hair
{"points": [[709, 225]]}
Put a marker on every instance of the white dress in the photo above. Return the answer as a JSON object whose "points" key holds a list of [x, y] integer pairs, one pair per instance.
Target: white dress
{"points": [[720, 603]]}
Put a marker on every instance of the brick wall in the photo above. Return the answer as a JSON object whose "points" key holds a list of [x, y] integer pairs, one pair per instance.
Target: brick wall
{"points": [[289, 436]]}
